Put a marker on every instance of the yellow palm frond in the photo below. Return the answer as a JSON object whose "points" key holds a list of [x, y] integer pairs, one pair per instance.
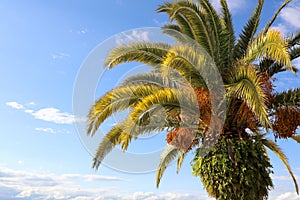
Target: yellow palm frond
{"points": [[111, 139], [114, 101], [271, 45], [246, 85], [146, 52]]}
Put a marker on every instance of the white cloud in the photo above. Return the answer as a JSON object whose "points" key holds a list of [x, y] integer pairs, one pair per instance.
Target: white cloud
{"points": [[79, 32], [297, 63], [15, 105], [54, 115], [134, 36], [23, 184], [284, 178], [288, 196], [282, 28], [47, 130], [32, 103], [56, 56], [290, 20], [291, 16], [48, 114]]}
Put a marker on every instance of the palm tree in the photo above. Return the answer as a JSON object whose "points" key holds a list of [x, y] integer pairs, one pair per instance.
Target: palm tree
{"points": [[231, 155]]}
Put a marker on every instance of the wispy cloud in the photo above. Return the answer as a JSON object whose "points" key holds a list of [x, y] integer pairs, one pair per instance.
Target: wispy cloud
{"points": [[24, 184], [80, 31], [47, 130], [14, 105], [59, 56], [291, 16], [133, 36], [290, 20], [48, 114]]}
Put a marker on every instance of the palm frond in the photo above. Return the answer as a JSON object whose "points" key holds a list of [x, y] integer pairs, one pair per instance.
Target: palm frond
{"points": [[227, 43], [183, 23], [188, 10], [287, 98], [294, 40], [296, 138], [295, 52], [167, 156], [111, 139], [166, 98], [271, 45], [248, 32], [246, 85], [146, 52], [269, 24], [180, 161], [114, 101], [214, 21], [275, 148]]}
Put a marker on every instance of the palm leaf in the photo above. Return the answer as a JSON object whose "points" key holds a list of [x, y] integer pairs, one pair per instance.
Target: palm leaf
{"points": [[213, 20], [296, 138], [246, 85], [110, 140], [248, 32], [180, 161], [269, 24], [195, 19], [146, 52], [287, 98], [114, 101], [294, 40], [167, 156], [271, 45], [167, 98], [183, 23], [227, 44], [275, 148]]}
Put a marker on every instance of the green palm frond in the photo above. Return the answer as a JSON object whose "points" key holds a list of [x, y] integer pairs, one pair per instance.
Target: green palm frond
{"points": [[197, 24], [271, 45], [294, 40], [246, 85], [248, 32], [227, 43], [166, 98], [114, 101], [146, 52], [111, 139], [167, 156], [275, 148], [287, 98], [213, 20], [183, 23], [269, 24], [295, 52]]}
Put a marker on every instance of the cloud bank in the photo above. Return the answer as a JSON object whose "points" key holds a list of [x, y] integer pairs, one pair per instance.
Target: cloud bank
{"points": [[28, 185], [48, 114]]}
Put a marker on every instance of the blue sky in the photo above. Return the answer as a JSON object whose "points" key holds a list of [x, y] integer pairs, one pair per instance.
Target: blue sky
{"points": [[43, 45]]}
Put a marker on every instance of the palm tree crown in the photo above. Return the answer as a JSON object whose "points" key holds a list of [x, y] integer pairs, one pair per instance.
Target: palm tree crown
{"points": [[236, 164]]}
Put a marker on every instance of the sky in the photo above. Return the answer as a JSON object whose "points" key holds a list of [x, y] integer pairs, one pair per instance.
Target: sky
{"points": [[44, 154]]}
